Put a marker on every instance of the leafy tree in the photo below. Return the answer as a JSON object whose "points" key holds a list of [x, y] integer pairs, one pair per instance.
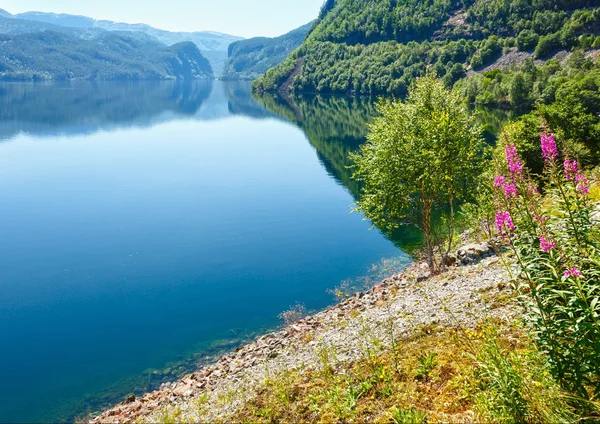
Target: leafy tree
{"points": [[527, 40], [546, 45], [420, 157], [518, 91]]}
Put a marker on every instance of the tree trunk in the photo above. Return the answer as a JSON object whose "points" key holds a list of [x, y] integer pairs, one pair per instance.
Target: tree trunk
{"points": [[427, 234], [450, 232]]}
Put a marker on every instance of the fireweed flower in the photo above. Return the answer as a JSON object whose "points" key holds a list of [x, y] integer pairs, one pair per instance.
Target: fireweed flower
{"points": [[571, 169], [504, 222], [546, 245], [581, 184], [532, 189], [512, 158], [510, 190], [572, 272], [499, 181], [549, 150]]}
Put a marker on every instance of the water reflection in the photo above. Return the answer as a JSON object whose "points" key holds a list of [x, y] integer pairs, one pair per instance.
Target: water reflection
{"points": [[76, 108], [281, 233], [130, 257]]}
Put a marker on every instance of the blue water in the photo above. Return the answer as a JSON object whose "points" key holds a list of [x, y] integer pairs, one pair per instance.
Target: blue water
{"points": [[140, 222]]}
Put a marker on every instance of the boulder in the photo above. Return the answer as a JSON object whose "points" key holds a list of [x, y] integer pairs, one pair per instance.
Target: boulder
{"points": [[472, 253]]}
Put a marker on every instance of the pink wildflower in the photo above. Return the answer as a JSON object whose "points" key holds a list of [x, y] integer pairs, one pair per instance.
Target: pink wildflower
{"points": [[549, 150], [546, 245], [532, 189], [572, 272], [512, 158], [581, 184], [504, 222], [571, 169], [499, 181], [510, 190]]}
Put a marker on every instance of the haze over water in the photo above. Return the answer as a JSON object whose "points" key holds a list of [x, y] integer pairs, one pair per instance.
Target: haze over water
{"points": [[143, 222]]}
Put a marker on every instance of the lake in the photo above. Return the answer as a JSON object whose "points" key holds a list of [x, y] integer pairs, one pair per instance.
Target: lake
{"points": [[147, 228]]}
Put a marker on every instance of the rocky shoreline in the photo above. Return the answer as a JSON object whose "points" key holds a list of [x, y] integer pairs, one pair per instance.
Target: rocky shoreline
{"points": [[462, 296]]}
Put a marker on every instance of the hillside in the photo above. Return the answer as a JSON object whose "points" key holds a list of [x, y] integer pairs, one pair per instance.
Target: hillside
{"points": [[213, 45], [383, 47], [110, 56], [249, 59]]}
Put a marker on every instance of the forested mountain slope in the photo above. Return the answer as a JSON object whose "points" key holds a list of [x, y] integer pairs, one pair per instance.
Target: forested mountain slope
{"points": [[248, 59], [371, 47], [52, 55], [213, 45]]}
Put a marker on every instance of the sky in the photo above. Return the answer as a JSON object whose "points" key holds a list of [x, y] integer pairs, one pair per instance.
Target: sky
{"points": [[236, 17]]}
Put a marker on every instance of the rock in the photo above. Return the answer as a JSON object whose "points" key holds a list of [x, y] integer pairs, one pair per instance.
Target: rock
{"points": [[472, 253], [450, 259]]}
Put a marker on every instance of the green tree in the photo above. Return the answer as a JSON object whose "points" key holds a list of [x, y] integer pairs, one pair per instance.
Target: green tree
{"points": [[420, 157], [527, 40], [517, 91]]}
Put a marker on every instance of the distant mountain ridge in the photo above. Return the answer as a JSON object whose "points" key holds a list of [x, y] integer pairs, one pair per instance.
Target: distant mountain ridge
{"points": [[249, 59], [213, 45], [50, 55]]}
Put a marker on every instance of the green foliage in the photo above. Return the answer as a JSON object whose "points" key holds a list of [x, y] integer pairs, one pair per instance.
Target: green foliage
{"points": [[527, 40], [248, 59], [420, 157], [386, 67], [427, 363], [546, 45], [408, 416], [517, 91], [507, 395], [349, 21], [110, 56], [555, 241], [568, 98], [381, 48]]}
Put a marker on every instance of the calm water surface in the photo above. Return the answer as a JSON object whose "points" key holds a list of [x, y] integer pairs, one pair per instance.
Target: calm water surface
{"points": [[144, 223]]}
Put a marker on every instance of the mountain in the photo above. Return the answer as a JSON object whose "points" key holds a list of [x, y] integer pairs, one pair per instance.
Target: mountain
{"points": [[249, 59], [57, 19], [213, 45], [378, 47], [12, 26], [52, 55]]}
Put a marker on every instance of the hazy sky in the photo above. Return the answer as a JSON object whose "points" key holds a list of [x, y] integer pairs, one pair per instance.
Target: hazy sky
{"points": [[238, 17]]}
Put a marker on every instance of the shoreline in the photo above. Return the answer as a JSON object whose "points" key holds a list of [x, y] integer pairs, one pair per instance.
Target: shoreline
{"points": [[407, 300]]}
